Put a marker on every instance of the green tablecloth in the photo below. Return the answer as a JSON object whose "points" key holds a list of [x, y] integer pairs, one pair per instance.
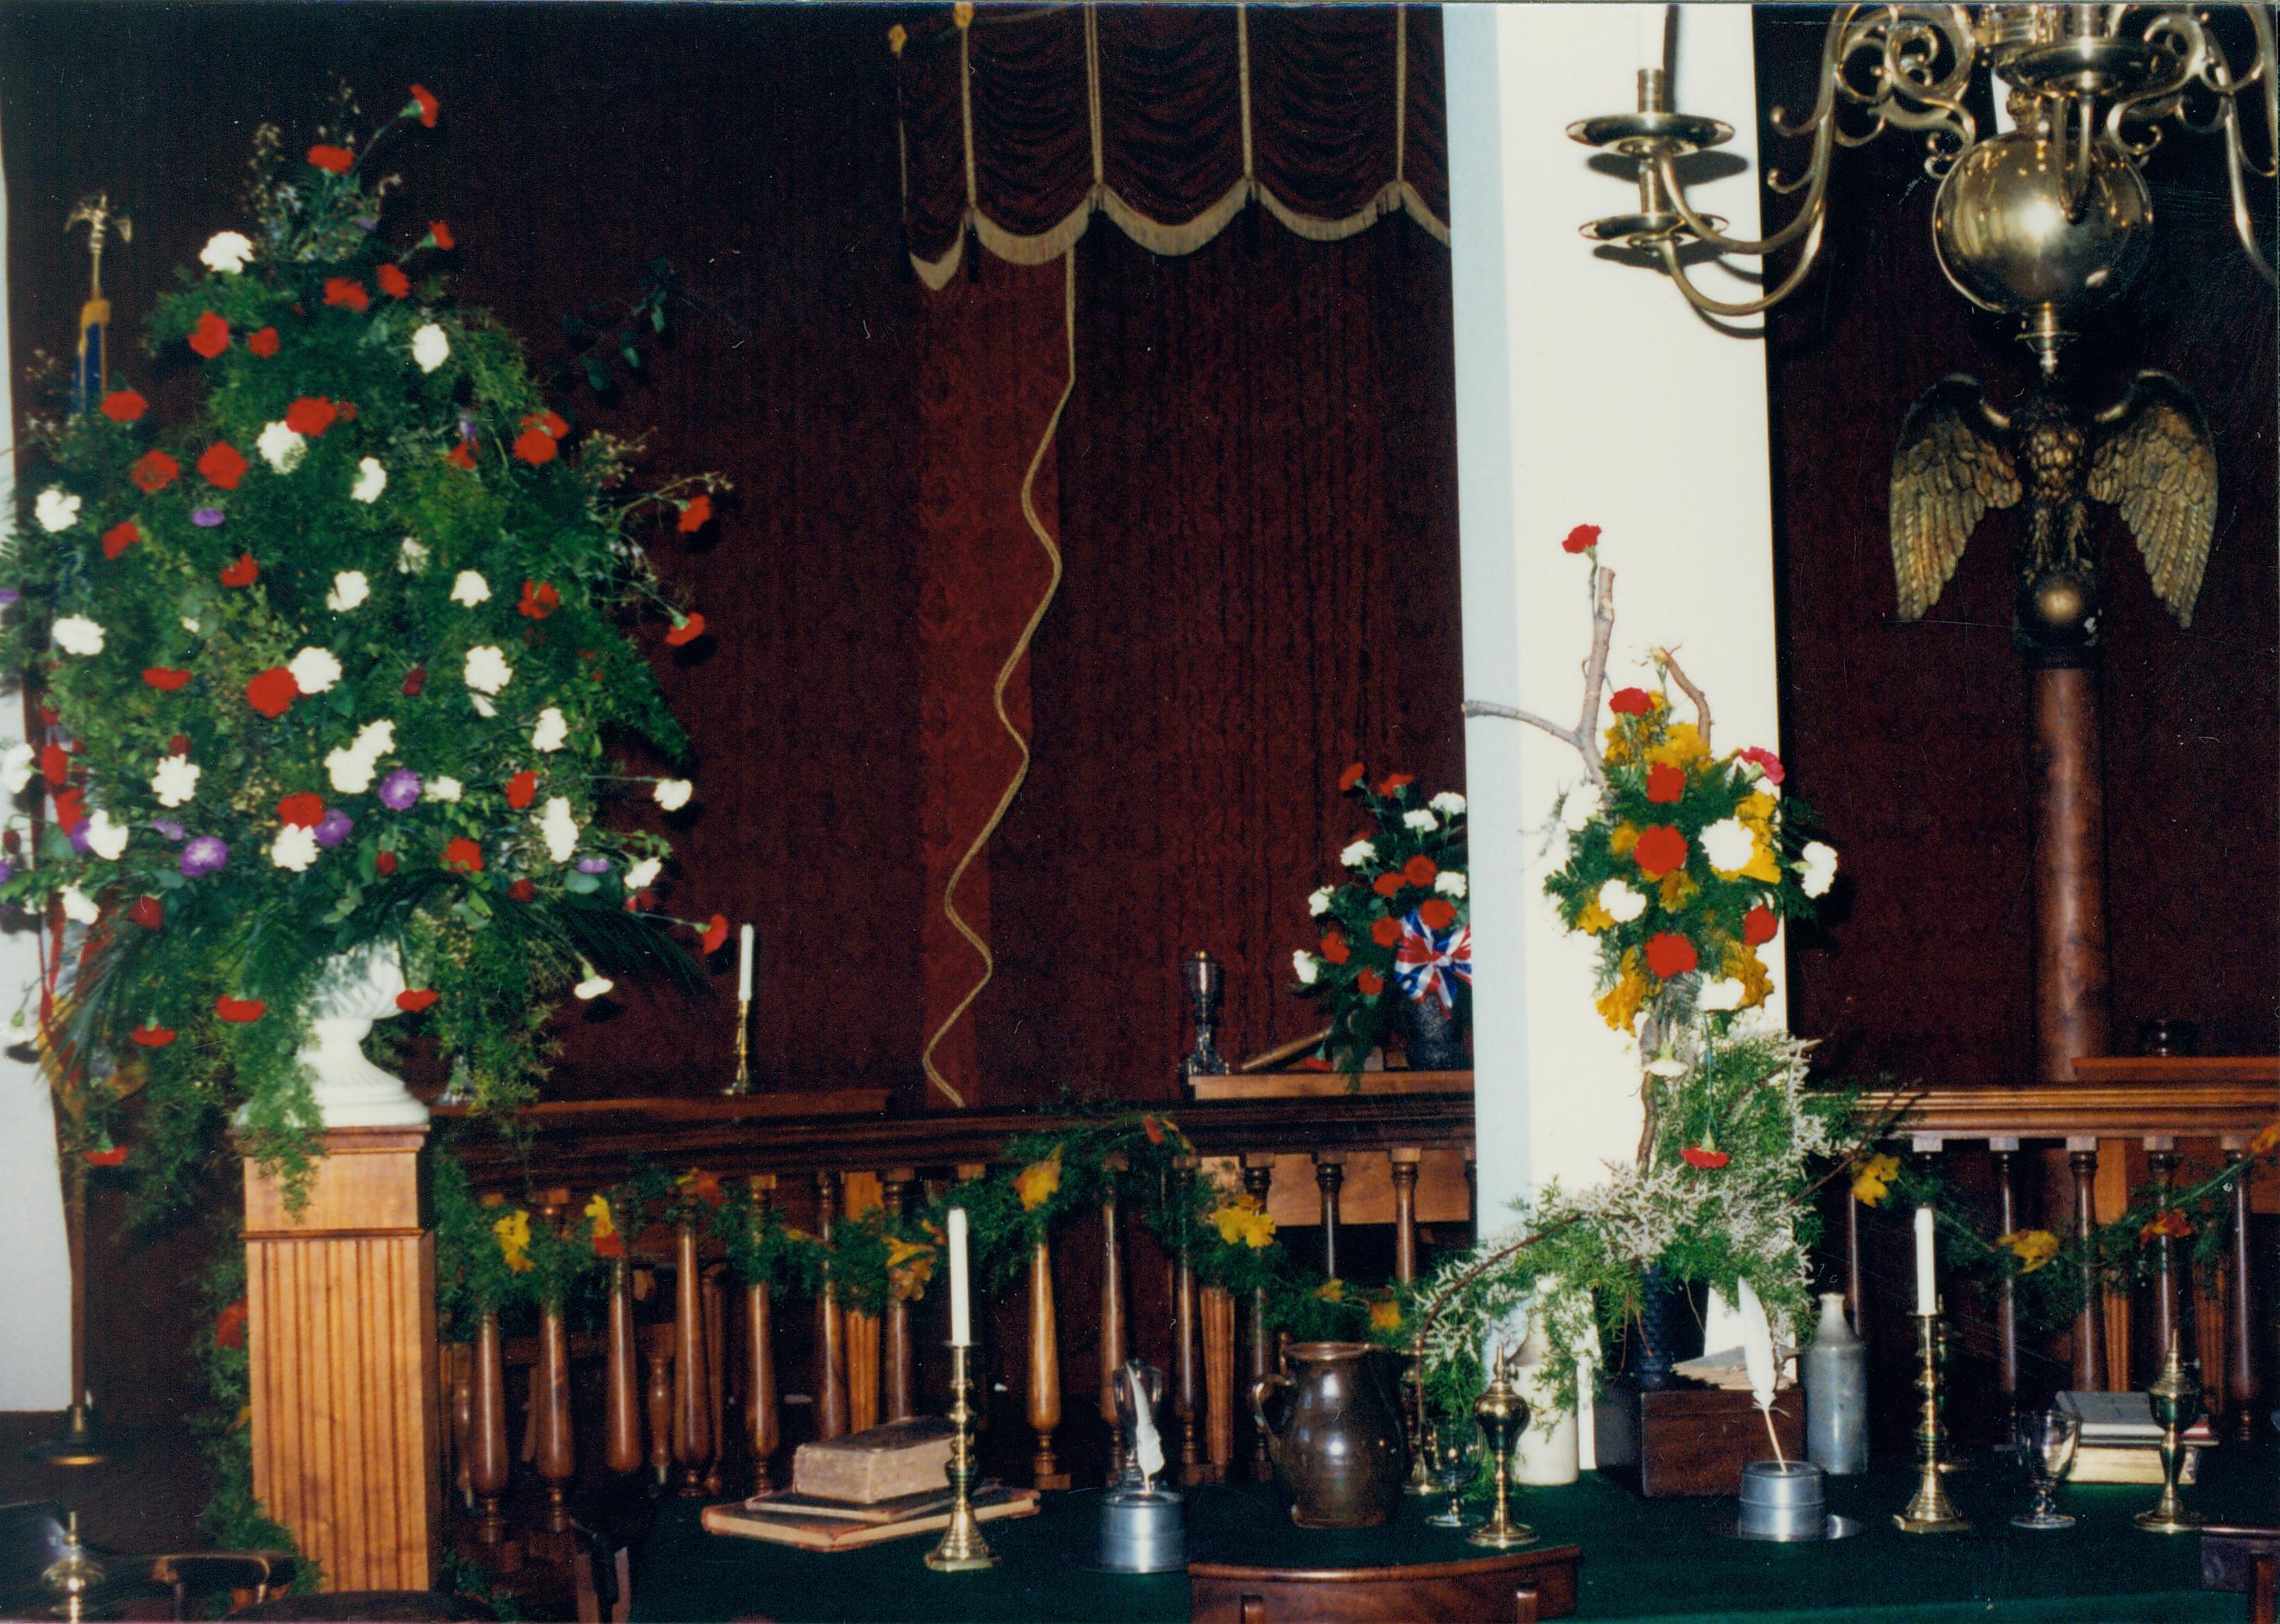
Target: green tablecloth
{"points": [[1642, 1560]]}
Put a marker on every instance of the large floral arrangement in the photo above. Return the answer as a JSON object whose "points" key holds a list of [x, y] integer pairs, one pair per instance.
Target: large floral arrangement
{"points": [[335, 659], [1398, 929]]}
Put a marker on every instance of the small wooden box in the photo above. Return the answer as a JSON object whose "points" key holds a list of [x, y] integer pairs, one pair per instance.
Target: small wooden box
{"points": [[1689, 1440]]}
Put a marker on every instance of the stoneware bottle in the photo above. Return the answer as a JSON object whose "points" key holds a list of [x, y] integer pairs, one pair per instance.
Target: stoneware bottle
{"points": [[1547, 1454], [1835, 1393]]}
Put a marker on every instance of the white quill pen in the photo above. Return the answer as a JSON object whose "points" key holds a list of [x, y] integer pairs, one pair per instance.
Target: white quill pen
{"points": [[1757, 1357]]}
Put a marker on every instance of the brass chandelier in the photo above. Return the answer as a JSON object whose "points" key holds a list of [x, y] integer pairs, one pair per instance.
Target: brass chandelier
{"points": [[2045, 222]]}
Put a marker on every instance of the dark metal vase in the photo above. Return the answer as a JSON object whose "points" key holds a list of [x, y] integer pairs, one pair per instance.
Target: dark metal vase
{"points": [[1432, 1035], [1335, 1434], [1668, 1330]]}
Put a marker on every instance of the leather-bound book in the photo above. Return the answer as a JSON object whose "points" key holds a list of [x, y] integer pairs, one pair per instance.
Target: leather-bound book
{"points": [[879, 1463]]}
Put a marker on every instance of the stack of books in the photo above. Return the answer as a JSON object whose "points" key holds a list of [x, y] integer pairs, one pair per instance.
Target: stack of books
{"points": [[886, 1482], [2121, 1441]]}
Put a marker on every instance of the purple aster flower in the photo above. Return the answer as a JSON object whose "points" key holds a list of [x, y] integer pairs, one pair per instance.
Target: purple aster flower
{"points": [[399, 790], [79, 839], [205, 518], [8, 595], [170, 829], [7, 871], [204, 855], [333, 827], [593, 865]]}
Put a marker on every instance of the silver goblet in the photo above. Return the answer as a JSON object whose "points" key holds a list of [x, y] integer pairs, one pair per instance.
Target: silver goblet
{"points": [[1453, 1456], [2048, 1440]]}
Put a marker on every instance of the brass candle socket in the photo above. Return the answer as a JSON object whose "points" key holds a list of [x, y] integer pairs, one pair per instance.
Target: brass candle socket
{"points": [[73, 1574], [1416, 1426], [1502, 1414], [1930, 1511], [742, 1083], [962, 1549], [2176, 1401]]}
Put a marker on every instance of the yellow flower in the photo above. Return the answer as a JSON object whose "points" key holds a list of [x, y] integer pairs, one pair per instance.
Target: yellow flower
{"points": [[513, 1232], [1331, 1292], [1872, 1177], [606, 1223], [1677, 889], [1385, 1315], [910, 1265], [2033, 1248], [1761, 866], [2267, 1141], [1618, 1006], [1594, 918], [1621, 838], [898, 37], [1743, 965], [1681, 746], [962, 13], [1756, 811], [1036, 1183], [1241, 1219]]}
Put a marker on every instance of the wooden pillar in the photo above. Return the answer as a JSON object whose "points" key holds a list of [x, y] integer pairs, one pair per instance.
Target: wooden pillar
{"points": [[1258, 1180], [555, 1456], [1185, 1394], [486, 1455], [1113, 1343], [2006, 1306], [1044, 1369], [2244, 1387], [716, 1373], [2089, 1324], [2161, 1158], [831, 1329], [901, 1362], [2073, 1012], [692, 1396], [341, 1333], [762, 1427], [1216, 1311], [1404, 1167], [622, 1440], [658, 1350], [1329, 1174]]}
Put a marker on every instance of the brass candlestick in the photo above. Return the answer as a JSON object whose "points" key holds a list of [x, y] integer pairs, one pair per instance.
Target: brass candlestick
{"points": [[2176, 1401], [1931, 1511], [1417, 1431], [742, 1083], [72, 1574], [1502, 1412], [962, 1549]]}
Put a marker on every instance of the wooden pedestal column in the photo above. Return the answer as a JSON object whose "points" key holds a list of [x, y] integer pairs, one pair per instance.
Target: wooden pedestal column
{"points": [[340, 1331], [2073, 1004]]}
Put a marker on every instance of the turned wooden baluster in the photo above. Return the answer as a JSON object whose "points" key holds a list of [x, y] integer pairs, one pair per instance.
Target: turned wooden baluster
{"points": [[762, 1428], [487, 1456], [1185, 1394], [2243, 1388], [1216, 1304], [2089, 1323], [1405, 1163], [1112, 1352], [460, 1358], [692, 1398], [1044, 1369], [658, 1349], [556, 1456], [2006, 1153], [901, 1375], [716, 1373], [1257, 1179], [830, 1327], [1329, 1174], [621, 1439]]}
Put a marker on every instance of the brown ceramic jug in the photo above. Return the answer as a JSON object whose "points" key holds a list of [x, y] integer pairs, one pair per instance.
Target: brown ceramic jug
{"points": [[1334, 1434]]}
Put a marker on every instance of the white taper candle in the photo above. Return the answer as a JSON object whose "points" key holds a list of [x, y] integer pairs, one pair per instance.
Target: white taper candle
{"points": [[744, 964], [1927, 1288], [961, 1311]]}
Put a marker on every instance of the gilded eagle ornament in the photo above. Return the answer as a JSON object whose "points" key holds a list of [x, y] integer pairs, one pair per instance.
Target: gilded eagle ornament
{"points": [[2148, 454]]}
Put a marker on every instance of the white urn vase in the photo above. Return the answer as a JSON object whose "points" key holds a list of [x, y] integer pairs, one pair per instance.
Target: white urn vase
{"points": [[355, 989]]}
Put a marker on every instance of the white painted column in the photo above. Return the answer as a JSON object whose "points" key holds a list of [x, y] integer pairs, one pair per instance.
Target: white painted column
{"points": [[1587, 392], [35, 1266]]}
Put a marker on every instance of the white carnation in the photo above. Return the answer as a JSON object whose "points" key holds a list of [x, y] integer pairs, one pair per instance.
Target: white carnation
{"points": [[78, 907], [107, 839], [1622, 903], [484, 708], [371, 479], [643, 874], [411, 555], [593, 987], [281, 447], [1818, 869], [1663, 1066], [487, 670], [1448, 803], [77, 634], [176, 781], [16, 767], [558, 829], [375, 739], [1307, 966], [551, 732], [672, 793], [1319, 903], [57, 509], [314, 670], [1579, 806], [430, 348], [349, 589], [441, 790], [349, 770], [1354, 855], [1450, 882], [227, 251], [470, 588], [295, 847], [1421, 820], [1725, 993], [1729, 844], [190, 624]]}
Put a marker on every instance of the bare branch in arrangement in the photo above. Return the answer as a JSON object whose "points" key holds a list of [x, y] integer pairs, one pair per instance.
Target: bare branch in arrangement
{"points": [[1668, 663], [1583, 737]]}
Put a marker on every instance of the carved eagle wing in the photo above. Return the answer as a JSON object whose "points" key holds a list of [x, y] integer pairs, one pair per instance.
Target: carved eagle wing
{"points": [[1949, 468], [2155, 462]]}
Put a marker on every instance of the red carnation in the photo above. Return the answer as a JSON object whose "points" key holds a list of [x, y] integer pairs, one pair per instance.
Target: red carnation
{"points": [[55, 763], [1583, 538], [392, 280], [1438, 913], [240, 1010], [272, 692], [551, 421], [242, 573], [442, 233], [263, 343], [716, 934], [535, 446], [522, 890], [463, 455], [641, 901], [210, 337], [1370, 982], [1666, 784], [1387, 883], [333, 161], [179, 744], [70, 808], [424, 101], [1660, 849], [152, 1036], [1335, 948], [1385, 932], [1351, 776], [695, 513], [111, 1157], [520, 788], [346, 292], [1669, 954], [412, 1000], [1695, 1156], [1314, 1063], [229, 1326], [384, 864], [1767, 762], [414, 680], [310, 415], [464, 855], [1631, 702], [124, 406], [1758, 926], [147, 911], [1420, 870], [304, 810], [154, 471], [165, 679], [222, 465], [120, 537], [1396, 780], [539, 599], [688, 632]]}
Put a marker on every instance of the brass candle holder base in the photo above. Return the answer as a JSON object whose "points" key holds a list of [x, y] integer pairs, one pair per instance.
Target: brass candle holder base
{"points": [[78, 1447], [962, 1549], [2177, 1403], [1502, 1412], [1930, 1511], [742, 1083]]}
